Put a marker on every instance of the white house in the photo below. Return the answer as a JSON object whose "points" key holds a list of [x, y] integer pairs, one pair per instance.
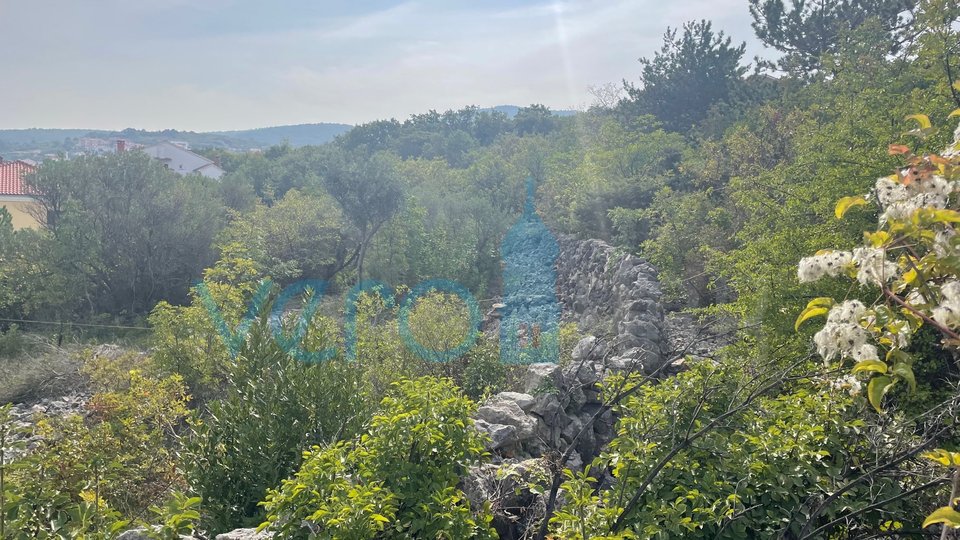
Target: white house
{"points": [[183, 161]]}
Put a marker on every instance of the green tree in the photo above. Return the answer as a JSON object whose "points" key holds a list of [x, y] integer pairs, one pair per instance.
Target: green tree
{"points": [[809, 29], [126, 230], [690, 73]]}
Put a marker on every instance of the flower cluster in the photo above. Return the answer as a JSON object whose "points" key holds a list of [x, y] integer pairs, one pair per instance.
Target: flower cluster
{"points": [[830, 264], [850, 383], [873, 268], [900, 197], [843, 335]]}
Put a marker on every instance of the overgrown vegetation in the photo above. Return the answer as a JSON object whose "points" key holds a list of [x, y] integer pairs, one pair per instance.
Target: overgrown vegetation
{"points": [[724, 175]]}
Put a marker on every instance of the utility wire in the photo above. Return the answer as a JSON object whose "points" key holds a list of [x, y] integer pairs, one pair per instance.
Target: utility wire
{"points": [[88, 325]]}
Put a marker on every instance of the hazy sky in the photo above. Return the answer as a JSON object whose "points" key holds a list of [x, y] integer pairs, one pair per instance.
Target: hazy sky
{"points": [[234, 64]]}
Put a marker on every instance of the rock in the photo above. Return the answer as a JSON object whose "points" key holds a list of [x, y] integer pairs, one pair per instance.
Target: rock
{"points": [[541, 378], [245, 534], [507, 490], [500, 435], [546, 406], [525, 401], [507, 412], [589, 348]]}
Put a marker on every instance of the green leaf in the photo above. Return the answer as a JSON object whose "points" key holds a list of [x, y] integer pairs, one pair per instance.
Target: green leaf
{"points": [[846, 203], [921, 119], [875, 390], [809, 313], [870, 365], [905, 372], [946, 515], [380, 518]]}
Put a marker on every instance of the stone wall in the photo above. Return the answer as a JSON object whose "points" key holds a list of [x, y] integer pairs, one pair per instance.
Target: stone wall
{"points": [[615, 296]]}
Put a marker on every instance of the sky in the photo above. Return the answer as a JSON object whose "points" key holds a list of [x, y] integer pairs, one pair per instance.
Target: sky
{"points": [[207, 65]]}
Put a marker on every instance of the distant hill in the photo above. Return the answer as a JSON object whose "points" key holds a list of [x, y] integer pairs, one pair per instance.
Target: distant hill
{"points": [[25, 142], [298, 135]]}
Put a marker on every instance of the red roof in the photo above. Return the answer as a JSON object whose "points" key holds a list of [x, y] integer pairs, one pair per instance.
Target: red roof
{"points": [[11, 177]]}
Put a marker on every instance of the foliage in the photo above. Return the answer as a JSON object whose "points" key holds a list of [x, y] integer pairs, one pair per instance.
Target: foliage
{"points": [[126, 231], [398, 480], [809, 29], [89, 477], [230, 461], [689, 74], [912, 259], [301, 236]]}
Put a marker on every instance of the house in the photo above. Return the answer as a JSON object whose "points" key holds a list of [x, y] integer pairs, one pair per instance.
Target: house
{"points": [[182, 161], [15, 196]]}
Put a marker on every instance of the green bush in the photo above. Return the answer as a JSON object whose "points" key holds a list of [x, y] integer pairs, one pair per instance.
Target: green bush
{"points": [[397, 480]]}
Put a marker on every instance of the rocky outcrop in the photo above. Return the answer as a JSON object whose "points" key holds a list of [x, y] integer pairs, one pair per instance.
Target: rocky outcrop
{"points": [[614, 295]]}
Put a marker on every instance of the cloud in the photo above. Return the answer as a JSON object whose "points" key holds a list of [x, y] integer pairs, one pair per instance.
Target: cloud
{"points": [[228, 64]]}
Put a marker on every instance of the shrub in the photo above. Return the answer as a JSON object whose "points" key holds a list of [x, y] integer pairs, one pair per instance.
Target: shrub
{"points": [[398, 480]]}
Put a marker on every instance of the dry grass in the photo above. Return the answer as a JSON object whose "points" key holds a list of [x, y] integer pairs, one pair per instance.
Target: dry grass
{"points": [[38, 369]]}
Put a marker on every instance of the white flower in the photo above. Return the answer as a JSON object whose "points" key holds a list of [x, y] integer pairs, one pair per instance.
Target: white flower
{"points": [[865, 352], [900, 201], [826, 264], [874, 268], [943, 243], [890, 191], [843, 335], [948, 312], [850, 383]]}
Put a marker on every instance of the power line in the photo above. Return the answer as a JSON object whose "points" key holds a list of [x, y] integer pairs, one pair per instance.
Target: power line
{"points": [[88, 325]]}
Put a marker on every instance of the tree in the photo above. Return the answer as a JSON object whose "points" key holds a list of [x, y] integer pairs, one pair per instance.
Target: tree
{"points": [[302, 236], [368, 191], [811, 28], [536, 119], [127, 231], [689, 74]]}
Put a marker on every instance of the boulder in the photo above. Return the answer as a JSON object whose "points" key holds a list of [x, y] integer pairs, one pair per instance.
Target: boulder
{"points": [[541, 378], [500, 435], [525, 401], [508, 413]]}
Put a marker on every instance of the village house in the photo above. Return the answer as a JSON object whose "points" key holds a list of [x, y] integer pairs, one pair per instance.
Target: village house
{"points": [[182, 161], [15, 196]]}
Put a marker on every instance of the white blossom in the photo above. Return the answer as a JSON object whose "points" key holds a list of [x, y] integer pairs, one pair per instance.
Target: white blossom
{"points": [[948, 312], [826, 264], [873, 266], [842, 335], [890, 191], [849, 383], [900, 201], [943, 243]]}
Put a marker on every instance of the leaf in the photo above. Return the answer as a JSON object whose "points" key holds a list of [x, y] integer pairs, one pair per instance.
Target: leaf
{"points": [[846, 203], [380, 518], [955, 112], [921, 119], [946, 515], [898, 149], [809, 313], [946, 216], [877, 239], [943, 457], [905, 372], [870, 365], [875, 390]]}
